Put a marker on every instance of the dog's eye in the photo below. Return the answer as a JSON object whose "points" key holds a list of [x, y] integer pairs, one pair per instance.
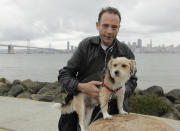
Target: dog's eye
{"points": [[124, 66], [115, 65]]}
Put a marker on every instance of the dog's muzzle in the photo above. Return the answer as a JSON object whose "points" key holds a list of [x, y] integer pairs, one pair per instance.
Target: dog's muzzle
{"points": [[117, 73]]}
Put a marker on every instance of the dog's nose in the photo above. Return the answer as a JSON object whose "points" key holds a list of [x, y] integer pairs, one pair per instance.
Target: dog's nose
{"points": [[116, 73]]}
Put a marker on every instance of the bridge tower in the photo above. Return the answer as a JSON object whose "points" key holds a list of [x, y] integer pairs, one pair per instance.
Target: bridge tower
{"points": [[10, 49]]}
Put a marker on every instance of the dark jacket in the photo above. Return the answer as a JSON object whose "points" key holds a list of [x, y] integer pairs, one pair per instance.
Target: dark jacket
{"points": [[90, 58]]}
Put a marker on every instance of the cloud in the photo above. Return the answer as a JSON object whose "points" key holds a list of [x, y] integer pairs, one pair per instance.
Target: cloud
{"points": [[75, 19]]}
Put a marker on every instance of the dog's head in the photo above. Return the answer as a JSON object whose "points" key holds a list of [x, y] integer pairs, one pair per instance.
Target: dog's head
{"points": [[121, 68]]}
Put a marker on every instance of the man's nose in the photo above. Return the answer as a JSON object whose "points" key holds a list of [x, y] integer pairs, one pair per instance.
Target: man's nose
{"points": [[109, 30]]}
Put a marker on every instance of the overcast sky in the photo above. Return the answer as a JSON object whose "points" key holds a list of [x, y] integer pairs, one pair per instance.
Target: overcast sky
{"points": [[58, 21]]}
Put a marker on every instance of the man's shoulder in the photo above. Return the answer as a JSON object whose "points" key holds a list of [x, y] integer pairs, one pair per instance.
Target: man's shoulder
{"points": [[122, 45], [125, 50], [90, 40]]}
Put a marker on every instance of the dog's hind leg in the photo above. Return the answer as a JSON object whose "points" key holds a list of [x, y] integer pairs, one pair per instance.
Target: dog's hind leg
{"points": [[80, 109]]}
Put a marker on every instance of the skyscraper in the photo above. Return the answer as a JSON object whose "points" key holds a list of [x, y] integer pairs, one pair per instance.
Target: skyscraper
{"points": [[139, 43], [68, 45]]}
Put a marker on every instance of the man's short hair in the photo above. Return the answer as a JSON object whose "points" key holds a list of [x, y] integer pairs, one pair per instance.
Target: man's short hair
{"points": [[109, 10]]}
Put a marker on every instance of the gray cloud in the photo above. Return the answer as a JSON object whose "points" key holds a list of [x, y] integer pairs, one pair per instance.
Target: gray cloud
{"points": [[50, 19]]}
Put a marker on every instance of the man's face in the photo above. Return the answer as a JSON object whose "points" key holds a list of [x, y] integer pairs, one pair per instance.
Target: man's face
{"points": [[108, 27]]}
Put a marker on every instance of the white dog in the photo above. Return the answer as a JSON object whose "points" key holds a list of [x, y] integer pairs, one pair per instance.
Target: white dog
{"points": [[117, 74]]}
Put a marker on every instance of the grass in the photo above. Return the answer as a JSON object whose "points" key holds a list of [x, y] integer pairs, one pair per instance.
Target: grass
{"points": [[148, 105]]}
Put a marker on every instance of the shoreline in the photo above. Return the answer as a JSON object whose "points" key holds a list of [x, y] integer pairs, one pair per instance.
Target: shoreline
{"points": [[151, 101]]}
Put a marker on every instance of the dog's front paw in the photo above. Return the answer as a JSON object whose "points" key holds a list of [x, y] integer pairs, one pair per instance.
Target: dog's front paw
{"points": [[123, 112], [107, 116]]}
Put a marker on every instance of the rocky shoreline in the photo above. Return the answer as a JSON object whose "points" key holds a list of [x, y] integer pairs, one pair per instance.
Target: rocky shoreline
{"points": [[151, 100]]}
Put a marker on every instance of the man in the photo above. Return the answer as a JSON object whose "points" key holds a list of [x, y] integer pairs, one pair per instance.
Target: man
{"points": [[91, 57]]}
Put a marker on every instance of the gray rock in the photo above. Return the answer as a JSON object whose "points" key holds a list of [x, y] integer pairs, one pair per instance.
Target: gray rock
{"points": [[53, 89], [154, 90], [24, 95], [42, 97], [3, 80], [174, 95], [16, 90], [48, 88], [177, 101], [4, 89], [16, 82], [173, 114], [32, 87], [177, 107]]}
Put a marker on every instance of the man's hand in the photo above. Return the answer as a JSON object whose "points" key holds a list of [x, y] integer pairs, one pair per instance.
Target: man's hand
{"points": [[90, 88]]}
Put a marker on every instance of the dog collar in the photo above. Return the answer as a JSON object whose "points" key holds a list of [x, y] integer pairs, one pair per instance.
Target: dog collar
{"points": [[113, 91]]}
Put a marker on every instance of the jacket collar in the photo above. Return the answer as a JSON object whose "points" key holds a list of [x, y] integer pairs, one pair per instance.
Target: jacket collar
{"points": [[97, 40]]}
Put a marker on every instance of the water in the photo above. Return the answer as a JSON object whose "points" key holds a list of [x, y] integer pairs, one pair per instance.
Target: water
{"points": [[153, 69]]}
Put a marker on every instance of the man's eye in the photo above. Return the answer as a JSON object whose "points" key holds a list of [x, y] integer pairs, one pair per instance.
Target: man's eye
{"points": [[114, 27], [105, 26]]}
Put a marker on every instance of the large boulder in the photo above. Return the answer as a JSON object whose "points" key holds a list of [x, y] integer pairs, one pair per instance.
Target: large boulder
{"points": [[174, 96], [4, 89], [24, 94], [32, 87], [131, 122], [154, 90], [16, 90], [50, 92], [173, 113]]}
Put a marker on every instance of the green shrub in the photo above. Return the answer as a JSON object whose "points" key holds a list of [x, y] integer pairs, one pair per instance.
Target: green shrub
{"points": [[148, 105]]}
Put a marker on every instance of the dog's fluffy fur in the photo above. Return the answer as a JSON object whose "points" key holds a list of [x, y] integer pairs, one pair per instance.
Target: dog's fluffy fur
{"points": [[117, 74]]}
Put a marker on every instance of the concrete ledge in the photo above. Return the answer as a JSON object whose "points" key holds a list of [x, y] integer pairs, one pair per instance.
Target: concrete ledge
{"points": [[3, 129]]}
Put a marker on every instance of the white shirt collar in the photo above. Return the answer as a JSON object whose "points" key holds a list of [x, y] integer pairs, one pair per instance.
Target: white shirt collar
{"points": [[103, 46]]}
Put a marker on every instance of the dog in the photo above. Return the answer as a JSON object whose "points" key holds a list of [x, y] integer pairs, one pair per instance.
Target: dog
{"points": [[118, 72]]}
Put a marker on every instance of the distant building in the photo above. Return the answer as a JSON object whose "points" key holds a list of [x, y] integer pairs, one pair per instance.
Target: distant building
{"points": [[68, 45], [72, 48], [139, 43]]}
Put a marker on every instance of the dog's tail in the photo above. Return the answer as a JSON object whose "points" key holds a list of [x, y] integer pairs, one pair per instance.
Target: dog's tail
{"points": [[64, 108]]}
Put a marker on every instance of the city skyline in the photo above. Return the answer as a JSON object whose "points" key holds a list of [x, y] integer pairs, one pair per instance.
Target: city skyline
{"points": [[57, 22]]}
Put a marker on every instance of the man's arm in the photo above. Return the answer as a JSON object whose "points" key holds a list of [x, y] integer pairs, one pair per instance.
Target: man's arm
{"points": [[67, 75]]}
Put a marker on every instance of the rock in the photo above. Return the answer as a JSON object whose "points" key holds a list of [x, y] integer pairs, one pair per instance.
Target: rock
{"points": [[3, 80], [42, 97], [24, 95], [177, 107], [174, 95], [48, 88], [172, 114], [131, 122], [4, 89], [154, 90], [177, 102], [32, 87], [137, 91], [52, 91], [16, 90], [16, 82]]}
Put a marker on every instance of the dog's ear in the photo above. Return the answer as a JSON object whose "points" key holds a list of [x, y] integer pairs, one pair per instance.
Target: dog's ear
{"points": [[110, 63], [132, 67]]}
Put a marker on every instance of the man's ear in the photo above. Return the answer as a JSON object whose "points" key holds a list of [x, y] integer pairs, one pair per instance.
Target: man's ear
{"points": [[97, 25], [132, 67]]}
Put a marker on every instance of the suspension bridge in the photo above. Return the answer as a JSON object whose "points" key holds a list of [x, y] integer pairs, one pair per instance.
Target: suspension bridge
{"points": [[11, 48]]}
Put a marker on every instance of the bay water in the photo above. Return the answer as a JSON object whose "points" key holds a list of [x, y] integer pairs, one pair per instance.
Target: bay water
{"points": [[152, 69]]}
